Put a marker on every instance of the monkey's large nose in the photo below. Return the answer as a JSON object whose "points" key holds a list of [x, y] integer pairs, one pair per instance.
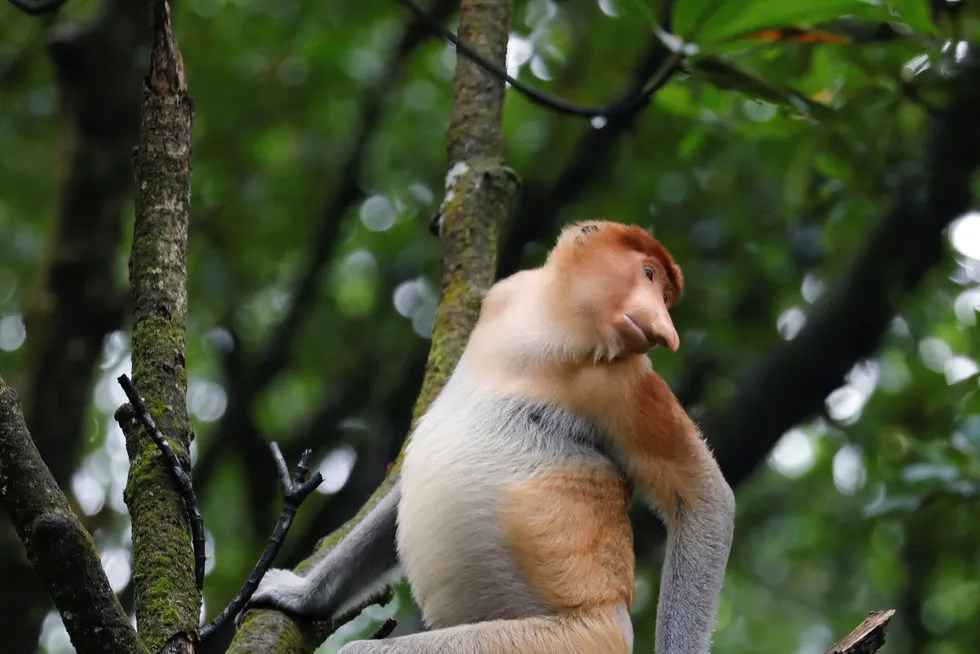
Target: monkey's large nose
{"points": [[670, 344], [663, 330]]}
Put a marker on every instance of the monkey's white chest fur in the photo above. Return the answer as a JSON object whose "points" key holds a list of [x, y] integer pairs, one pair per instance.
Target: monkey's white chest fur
{"points": [[456, 517]]}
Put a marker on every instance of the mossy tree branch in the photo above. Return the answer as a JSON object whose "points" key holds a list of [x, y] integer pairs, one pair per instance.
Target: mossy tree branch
{"points": [[58, 546], [167, 599], [479, 191]]}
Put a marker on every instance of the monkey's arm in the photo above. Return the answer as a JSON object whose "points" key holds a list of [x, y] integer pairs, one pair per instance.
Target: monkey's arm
{"points": [[359, 566], [679, 473], [699, 537]]}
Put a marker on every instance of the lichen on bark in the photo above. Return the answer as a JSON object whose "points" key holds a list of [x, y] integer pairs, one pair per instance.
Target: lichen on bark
{"points": [[479, 191], [167, 600]]}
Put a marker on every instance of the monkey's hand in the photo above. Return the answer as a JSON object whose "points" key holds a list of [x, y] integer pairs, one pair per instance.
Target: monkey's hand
{"points": [[361, 564], [284, 591]]}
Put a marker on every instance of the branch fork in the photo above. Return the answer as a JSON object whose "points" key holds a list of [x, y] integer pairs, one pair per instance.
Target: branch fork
{"points": [[296, 488]]}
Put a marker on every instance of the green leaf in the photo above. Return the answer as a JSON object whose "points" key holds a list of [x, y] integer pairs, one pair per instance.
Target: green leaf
{"points": [[726, 76], [692, 142], [707, 21]]}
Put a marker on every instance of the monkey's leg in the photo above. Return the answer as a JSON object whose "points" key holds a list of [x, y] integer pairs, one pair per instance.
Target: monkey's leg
{"points": [[598, 631]]}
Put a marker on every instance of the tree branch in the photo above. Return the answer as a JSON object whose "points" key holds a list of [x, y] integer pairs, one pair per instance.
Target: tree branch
{"points": [[167, 600], [38, 7], [295, 490], [626, 105], [58, 546], [385, 630], [138, 411], [479, 190], [867, 638]]}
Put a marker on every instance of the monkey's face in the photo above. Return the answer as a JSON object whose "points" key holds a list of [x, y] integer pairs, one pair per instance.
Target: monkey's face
{"points": [[623, 281], [637, 305], [626, 296]]}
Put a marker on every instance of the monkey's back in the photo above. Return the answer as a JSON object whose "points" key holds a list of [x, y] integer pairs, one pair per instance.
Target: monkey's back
{"points": [[511, 508]]}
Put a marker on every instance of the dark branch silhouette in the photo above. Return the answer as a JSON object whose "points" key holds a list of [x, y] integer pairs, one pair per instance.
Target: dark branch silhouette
{"points": [[539, 209], [184, 486], [867, 638], [38, 8], [624, 105], [385, 629], [295, 490]]}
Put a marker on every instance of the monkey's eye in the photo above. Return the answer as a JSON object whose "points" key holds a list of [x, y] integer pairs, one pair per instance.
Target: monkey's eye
{"points": [[648, 271]]}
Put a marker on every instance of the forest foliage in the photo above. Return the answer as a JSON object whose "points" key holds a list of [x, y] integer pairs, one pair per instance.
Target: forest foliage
{"points": [[767, 163]]}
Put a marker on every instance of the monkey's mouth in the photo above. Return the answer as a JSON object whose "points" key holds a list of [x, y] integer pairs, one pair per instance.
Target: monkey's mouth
{"points": [[652, 338]]}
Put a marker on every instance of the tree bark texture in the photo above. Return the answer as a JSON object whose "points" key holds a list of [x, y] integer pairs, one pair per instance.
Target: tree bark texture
{"points": [[479, 192], [167, 600], [58, 546], [867, 638]]}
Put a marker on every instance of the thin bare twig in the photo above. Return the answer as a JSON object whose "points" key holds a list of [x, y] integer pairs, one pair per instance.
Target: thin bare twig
{"points": [[556, 104], [180, 475], [623, 106], [296, 489]]}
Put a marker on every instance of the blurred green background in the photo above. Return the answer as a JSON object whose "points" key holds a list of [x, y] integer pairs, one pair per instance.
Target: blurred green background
{"points": [[319, 157]]}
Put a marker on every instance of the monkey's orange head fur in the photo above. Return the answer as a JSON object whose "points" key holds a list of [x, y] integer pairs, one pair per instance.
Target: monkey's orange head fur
{"points": [[622, 281]]}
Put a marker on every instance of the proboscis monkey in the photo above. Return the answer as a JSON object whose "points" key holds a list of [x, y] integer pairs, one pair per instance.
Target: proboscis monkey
{"points": [[509, 513]]}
